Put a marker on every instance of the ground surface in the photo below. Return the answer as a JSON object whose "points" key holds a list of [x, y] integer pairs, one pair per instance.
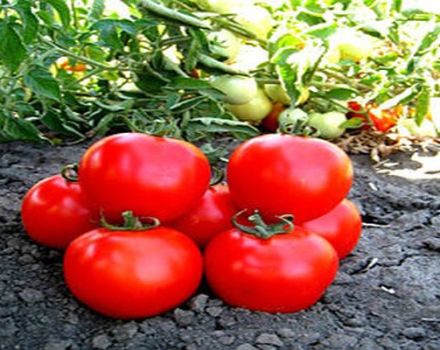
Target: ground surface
{"points": [[386, 295]]}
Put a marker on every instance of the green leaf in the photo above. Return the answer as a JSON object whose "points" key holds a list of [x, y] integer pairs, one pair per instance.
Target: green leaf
{"points": [[342, 94], [12, 50], [40, 81], [192, 54], [352, 123], [190, 84], [97, 9], [200, 126], [63, 11], [30, 21], [406, 95], [322, 30], [422, 105], [107, 29], [428, 41], [16, 128], [397, 5]]}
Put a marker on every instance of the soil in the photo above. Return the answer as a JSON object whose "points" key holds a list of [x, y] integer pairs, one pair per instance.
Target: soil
{"points": [[386, 295]]}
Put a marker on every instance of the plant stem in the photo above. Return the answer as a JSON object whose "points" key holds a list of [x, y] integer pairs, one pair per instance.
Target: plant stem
{"points": [[215, 64], [166, 12]]}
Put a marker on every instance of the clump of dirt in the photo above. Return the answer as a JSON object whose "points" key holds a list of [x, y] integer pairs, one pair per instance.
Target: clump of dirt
{"points": [[386, 295]]}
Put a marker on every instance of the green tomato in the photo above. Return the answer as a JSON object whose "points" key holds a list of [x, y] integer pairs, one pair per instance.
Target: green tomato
{"points": [[255, 110], [255, 19], [352, 45], [277, 93], [224, 44], [328, 124], [409, 127], [238, 90]]}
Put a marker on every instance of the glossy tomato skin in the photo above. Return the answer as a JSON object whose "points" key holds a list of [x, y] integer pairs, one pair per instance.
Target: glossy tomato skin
{"points": [[151, 176], [54, 212], [133, 274], [341, 226], [285, 273], [211, 216], [285, 174]]}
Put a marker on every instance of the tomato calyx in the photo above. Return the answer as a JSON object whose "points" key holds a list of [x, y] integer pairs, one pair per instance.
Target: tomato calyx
{"points": [[260, 228], [70, 172], [131, 223]]}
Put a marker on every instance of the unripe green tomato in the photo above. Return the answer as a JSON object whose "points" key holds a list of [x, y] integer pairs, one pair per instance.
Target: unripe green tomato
{"points": [[277, 94], [238, 90], [255, 19], [409, 127], [328, 124], [224, 44], [352, 45], [255, 110]]}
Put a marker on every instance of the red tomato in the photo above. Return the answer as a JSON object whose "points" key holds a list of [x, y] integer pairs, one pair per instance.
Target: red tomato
{"points": [[285, 174], [211, 216], [151, 176], [383, 120], [54, 212], [133, 274], [271, 122], [285, 273], [341, 226]]}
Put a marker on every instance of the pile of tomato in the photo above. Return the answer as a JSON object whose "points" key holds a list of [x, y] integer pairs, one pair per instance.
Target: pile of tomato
{"points": [[141, 224]]}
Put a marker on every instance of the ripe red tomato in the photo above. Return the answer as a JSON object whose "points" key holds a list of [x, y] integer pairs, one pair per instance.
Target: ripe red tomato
{"points": [[285, 174], [285, 273], [271, 122], [341, 226], [133, 274], [382, 120], [151, 176], [211, 216], [54, 212]]}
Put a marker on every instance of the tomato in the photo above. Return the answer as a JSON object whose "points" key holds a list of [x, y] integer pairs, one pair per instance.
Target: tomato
{"points": [[383, 120], [132, 274], [224, 44], [328, 124], [277, 93], [64, 63], [341, 226], [211, 216], [409, 127], [255, 19], [271, 122], [285, 174], [255, 110], [151, 176], [54, 212], [284, 273], [348, 41], [238, 90]]}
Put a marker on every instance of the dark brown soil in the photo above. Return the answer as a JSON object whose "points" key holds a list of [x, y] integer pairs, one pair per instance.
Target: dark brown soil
{"points": [[386, 295]]}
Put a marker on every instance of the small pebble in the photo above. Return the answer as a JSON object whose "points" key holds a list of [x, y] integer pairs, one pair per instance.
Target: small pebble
{"points": [[101, 342], [246, 346], [198, 303], [183, 317], [414, 333], [270, 339], [30, 295]]}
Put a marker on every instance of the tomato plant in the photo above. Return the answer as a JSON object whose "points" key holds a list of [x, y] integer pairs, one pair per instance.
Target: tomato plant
{"points": [[341, 226], [211, 215], [284, 269], [277, 174], [148, 175], [54, 212], [132, 274]]}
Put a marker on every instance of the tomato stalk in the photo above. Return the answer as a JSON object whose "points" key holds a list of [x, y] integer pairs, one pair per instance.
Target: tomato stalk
{"points": [[260, 228], [131, 223], [70, 172]]}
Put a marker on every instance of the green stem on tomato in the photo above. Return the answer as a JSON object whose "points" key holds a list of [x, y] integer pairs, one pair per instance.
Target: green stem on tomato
{"points": [[260, 228], [215, 64]]}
